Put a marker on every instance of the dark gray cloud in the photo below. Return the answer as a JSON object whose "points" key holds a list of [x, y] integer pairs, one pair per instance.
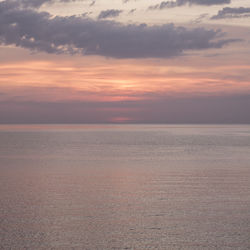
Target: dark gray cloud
{"points": [[178, 3], [39, 31], [232, 13], [109, 13]]}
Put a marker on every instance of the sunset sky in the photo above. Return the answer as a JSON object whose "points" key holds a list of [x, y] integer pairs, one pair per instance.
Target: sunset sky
{"points": [[125, 61]]}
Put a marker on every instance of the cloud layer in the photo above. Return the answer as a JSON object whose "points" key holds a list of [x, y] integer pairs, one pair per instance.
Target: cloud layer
{"points": [[39, 31], [35, 3], [178, 3], [232, 13], [208, 109]]}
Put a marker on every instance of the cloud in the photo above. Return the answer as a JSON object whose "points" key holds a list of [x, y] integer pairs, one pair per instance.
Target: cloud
{"points": [[92, 3], [232, 13], [164, 109], [34, 3], [40, 31], [200, 18], [178, 3], [132, 11], [127, 1], [109, 13]]}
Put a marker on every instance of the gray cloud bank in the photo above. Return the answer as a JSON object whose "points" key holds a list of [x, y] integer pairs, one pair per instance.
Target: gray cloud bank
{"points": [[39, 31], [178, 3], [232, 13], [206, 109]]}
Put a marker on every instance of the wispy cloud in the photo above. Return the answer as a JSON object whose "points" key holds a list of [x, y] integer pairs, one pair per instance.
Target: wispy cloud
{"points": [[34, 3], [132, 11], [232, 13], [109, 13], [178, 3]]}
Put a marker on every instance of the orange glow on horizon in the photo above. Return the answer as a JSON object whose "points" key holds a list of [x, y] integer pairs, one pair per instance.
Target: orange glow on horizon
{"points": [[115, 80]]}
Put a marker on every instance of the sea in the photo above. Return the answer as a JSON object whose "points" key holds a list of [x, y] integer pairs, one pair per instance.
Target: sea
{"points": [[125, 186]]}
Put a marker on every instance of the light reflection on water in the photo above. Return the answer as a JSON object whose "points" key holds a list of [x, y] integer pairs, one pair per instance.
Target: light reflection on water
{"points": [[124, 187]]}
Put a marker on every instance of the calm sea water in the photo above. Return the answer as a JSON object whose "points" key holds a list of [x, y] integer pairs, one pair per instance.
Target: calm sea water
{"points": [[124, 187]]}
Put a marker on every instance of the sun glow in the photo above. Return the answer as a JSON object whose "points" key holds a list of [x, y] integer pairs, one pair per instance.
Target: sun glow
{"points": [[114, 80]]}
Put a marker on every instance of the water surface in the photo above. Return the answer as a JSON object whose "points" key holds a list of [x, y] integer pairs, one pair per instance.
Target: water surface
{"points": [[125, 187]]}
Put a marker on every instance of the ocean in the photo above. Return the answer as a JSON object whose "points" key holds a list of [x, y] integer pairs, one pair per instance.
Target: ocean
{"points": [[125, 187]]}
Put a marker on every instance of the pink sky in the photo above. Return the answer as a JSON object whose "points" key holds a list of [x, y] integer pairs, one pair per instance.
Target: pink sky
{"points": [[121, 71]]}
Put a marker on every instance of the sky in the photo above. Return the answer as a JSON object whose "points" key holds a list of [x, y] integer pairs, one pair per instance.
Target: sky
{"points": [[125, 61]]}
